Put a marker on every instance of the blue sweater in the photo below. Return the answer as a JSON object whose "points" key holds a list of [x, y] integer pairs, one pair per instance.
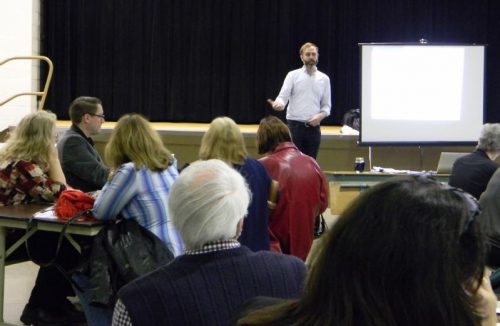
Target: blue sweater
{"points": [[255, 233], [207, 289]]}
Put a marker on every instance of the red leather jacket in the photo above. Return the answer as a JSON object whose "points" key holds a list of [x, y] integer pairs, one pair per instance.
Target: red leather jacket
{"points": [[303, 196]]}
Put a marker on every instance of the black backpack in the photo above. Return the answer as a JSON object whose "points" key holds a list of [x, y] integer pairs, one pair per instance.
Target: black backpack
{"points": [[352, 119], [122, 251]]}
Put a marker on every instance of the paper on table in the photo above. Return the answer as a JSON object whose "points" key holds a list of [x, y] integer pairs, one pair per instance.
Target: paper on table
{"points": [[394, 171], [46, 213]]}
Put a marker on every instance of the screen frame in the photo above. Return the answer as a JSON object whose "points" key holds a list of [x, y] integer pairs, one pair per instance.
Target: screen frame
{"points": [[422, 43]]}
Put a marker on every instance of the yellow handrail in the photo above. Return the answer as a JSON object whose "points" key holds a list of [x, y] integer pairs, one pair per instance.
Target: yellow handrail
{"points": [[43, 93]]}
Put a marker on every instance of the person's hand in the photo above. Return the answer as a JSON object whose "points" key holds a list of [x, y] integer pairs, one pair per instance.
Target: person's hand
{"points": [[315, 120], [485, 302], [275, 105]]}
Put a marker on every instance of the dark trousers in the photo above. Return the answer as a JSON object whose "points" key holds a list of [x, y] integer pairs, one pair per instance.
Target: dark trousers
{"points": [[306, 138], [51, 285]]}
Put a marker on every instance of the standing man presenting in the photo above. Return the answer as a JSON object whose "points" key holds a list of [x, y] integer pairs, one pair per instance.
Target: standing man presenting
{"points": [[307, 92], [81, 164]]}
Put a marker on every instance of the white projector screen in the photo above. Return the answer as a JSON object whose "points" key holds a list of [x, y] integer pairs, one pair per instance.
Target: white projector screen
{"points": [[421, 94]]}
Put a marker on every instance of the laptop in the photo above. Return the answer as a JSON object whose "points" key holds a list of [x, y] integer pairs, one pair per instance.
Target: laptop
{"points": [[446, 160]]}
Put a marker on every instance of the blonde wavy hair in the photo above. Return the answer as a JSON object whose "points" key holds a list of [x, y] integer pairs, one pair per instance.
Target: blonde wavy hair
{"points": [[224, 141], [134, 140], [33, 140]]}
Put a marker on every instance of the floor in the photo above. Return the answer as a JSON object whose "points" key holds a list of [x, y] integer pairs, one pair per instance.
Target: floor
{"points": [[19, 280]]}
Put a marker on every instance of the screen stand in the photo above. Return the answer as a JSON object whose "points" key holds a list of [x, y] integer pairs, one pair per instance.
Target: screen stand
{"points": [[421, 149], [370, 158]]}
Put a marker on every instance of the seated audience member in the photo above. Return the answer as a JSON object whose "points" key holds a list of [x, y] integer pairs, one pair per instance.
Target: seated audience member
{"points": [[82, 165], [490, 218], [473, 171], [408, 251], [143, 174], [224, 141], [30, 172], [204, 286], [302, 185]]}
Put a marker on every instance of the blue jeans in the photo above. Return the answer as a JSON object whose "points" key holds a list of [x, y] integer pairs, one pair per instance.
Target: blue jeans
{"points": [[96, 315], [306, 138]]}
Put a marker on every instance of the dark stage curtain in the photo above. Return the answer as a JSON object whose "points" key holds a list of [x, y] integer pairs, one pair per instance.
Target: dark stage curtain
{"points": [[193, 60]]}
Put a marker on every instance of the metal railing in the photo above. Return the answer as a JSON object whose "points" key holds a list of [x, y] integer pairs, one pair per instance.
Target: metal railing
{"points": [[45, 90]]}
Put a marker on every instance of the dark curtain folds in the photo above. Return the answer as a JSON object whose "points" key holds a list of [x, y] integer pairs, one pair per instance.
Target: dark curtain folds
{"points": [[193, 60]]}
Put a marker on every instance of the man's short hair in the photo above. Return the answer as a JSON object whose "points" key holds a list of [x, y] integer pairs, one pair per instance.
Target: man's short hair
{"points": [[489, 138], [81, 106], [207, 201], [306, 46]]}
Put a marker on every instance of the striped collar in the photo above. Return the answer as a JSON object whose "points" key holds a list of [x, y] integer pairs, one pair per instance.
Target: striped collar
{"points": [[214, 246]]}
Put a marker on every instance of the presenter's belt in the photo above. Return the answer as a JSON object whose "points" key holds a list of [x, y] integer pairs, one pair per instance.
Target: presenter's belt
{"points": [[300, 123]]}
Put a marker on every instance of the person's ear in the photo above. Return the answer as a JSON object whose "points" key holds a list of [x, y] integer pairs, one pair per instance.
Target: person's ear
{"points": [[239, 228], [86, 117]]}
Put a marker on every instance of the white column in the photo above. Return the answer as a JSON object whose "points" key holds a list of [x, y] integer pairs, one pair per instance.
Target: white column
{"points": [[19, 36]]}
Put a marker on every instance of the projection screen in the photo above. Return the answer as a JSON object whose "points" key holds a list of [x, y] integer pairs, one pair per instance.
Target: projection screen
{"points": [[421, 94]]}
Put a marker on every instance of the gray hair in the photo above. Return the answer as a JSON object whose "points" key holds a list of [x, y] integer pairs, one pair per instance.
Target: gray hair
{"points": [[489, 139], [207, 201]]}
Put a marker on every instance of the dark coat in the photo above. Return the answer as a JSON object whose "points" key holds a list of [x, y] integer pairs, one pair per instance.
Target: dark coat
{"points": [[81, 164]]}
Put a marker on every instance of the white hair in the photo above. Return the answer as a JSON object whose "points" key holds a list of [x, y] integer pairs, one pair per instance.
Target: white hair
{"points": [[207, 201], [489, 139]]}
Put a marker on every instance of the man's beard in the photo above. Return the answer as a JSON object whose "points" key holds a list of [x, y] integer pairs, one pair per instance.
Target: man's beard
{"points": [[311, 62]]}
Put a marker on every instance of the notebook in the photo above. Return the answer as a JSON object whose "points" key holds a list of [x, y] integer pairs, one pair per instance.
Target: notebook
{"points": [[446, 160]]}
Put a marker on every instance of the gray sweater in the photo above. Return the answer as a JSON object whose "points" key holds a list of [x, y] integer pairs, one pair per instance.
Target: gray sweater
{"points": [[490, 209]]}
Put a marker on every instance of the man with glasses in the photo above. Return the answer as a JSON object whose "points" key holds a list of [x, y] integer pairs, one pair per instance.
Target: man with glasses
{"points": [[80, 161]]}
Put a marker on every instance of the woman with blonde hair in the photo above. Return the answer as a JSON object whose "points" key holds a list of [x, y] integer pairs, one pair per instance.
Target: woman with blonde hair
{"points": [[30, 172], [144, 171], [224, 141], [30, 154]]}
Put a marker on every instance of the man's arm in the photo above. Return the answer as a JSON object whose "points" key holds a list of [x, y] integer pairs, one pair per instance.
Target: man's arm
{"points": [[284, 95], [79, 158], [326, 99]]}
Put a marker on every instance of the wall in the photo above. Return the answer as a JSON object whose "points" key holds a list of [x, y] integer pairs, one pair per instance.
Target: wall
{"points": [[19, 36], [336, 153]]}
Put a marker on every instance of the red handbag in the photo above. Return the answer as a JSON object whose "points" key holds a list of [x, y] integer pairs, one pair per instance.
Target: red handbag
{"points": [[73, 202]]}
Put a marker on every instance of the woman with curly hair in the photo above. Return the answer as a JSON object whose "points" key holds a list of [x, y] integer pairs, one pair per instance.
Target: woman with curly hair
{"points": [[30, 172], [29, 166]]}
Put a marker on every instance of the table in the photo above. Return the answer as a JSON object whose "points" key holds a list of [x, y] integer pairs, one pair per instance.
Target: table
{"points": [[18, 217], [345, 186]]}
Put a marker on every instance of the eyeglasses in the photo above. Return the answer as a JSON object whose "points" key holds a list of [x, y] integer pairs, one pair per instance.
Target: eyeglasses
{"points": [[470, 201], [102, 116]]}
